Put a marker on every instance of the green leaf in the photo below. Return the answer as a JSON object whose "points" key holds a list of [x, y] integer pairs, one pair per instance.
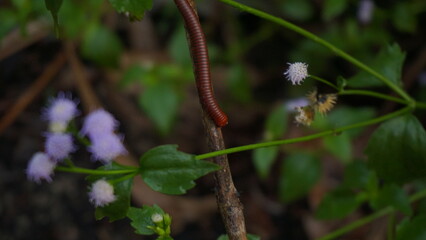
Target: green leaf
{"points": [[404, 18], [53, 6], [8, 20], [333, 8], [276, 124], [160, 102], [238, 83], [178, 47], [340, 146], [299, 173], [101, 46], [357, 176], [392, 195], [134, 8], [74, 17], [263, 158], [413, 229], [249, 237], [133, 74], [298, 9], [388, 62], [141, 218], [337, 204], [169, 171], [122, 190], [396, 150]]}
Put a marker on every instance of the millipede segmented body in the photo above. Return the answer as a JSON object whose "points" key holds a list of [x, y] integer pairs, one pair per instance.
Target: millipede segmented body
{"points": [[200, 58]]}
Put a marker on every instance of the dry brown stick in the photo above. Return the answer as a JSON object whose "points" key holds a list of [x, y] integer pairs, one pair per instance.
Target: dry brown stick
{"points": [[86, 93], [33, 91], [228, 202]]}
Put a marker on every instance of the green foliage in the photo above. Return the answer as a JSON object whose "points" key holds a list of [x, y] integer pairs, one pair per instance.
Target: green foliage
{"points": [[238, 83], [134, 8], [249, 237], [101, 46], [358, 176], [396, 150], [403, 17], [340, 146], [141, 218], [413, 229], [333, 8], [388, 62], [300, 171], [298, 9], [337, 204], [275, 126], [53, 6], [178, 47], [160, 102], [392, 195], [8, 20], [169, 171], [122, 190]]}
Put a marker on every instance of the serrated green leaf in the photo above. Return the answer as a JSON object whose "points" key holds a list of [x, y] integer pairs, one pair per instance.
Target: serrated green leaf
{"points": [[337, 204], [299, 173], [141, 218], [167, 170], [101, 46], [333, 8], [122, 190], [413, 229], [396, 150], [134, 8], [160, 102], [388, 62], [340, 146], [53, 6], [249, 237], [392, 195], [263, 158]]}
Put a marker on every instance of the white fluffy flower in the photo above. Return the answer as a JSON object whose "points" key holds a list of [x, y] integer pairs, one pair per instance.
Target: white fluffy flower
{"points": [[102, 193], [40, 167], [156, 217], [296, 72]]}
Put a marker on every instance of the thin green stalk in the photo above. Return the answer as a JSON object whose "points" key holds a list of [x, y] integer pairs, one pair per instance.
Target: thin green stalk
{"points": [[305, 138], [367, 219], [372, 94], [420, 105], [128, 176], [95, 172], [324, 81], [321, 41], [391, 226]]}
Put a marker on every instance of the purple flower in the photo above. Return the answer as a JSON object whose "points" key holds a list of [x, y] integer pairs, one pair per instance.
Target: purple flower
{"points": [[40, 167], [61, 109], [101, 193], [59, 145], [99, 122], [107, 146], [365, 11]]}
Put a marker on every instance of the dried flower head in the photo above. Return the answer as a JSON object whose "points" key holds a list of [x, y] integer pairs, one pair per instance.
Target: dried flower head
{"points": [[107, 146], [101, 193], [61, 109], [40, 167], [322, 103], [305, 115], [59, 145], [296, 72], [99, 122]]}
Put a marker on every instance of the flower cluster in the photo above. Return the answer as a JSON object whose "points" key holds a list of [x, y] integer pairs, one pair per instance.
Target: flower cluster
{"points": [[105, 145]]}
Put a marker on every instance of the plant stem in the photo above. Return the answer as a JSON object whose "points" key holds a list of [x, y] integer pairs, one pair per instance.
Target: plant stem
{"points": [[96, 172], [305, 138], [324, 81], [369, 218], [372, 94], [321, 41]]}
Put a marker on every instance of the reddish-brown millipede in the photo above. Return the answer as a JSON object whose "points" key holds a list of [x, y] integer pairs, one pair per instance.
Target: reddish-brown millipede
{"points": [[200, 58]]}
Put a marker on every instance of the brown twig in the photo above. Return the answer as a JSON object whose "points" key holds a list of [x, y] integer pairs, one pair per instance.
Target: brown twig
{"points": [[33, 91], [228, 202]]}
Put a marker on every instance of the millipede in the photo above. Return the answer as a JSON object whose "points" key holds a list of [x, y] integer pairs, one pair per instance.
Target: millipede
{"points": [[200, 57]]}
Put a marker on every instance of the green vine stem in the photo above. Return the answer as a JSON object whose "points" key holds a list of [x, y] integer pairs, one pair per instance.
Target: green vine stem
{"points": [[323, 42], [324, 81], [369, 218], [96, 172], [372, 94], [305, 138]]}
